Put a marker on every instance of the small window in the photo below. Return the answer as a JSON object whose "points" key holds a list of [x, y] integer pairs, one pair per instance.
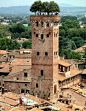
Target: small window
{"points": [[17, 78], [47, 24], [62, 93], [37, 85], [37, 53], [25, 74], [42, 24], [47, 35], [41, 36], [41, 72], [54, 34], [46, 53], [25, 84], [55, 89], [37, 23], [36, 35], [54, 53]]}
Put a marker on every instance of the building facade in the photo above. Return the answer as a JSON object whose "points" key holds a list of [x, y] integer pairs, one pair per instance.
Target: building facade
{"points": [[44, 71]]}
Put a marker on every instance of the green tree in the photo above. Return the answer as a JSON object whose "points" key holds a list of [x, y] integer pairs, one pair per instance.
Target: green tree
{"points": [[36, 6], [64, 18], [72, 45], [8, 44], [27, 44], [54, 7], [48, 7], [78, 41], [68, 54], [1, 34], [16, 44], [17, 28]]}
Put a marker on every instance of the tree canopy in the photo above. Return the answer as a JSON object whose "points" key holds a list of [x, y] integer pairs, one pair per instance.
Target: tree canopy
{"points": [[26, 44], [8, 44], [47, 7]]}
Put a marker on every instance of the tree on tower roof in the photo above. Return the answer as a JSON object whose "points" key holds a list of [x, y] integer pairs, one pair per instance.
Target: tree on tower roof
{"points": [[47, 7]]}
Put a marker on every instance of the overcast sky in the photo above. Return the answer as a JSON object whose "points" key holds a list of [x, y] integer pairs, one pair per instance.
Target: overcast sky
{"points": [[7, 3]]}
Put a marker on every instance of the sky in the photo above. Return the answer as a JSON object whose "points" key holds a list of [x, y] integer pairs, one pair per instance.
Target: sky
{"points": [[8, 3]]}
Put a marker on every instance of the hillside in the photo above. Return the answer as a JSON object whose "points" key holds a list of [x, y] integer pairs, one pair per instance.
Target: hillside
{"points": [[65, 10]]}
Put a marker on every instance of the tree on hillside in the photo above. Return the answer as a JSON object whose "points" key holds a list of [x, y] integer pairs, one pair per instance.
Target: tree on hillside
{"points": [[27, 44], [8, 44], [78, 41], [1, 34], [17, 28], [64, 18]]}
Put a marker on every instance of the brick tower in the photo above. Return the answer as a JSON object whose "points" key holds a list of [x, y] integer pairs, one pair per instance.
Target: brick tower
{"points": [[44, 71]]}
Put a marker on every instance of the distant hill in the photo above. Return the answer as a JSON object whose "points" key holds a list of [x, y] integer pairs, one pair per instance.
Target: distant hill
{"points": [[66, 9], [65, 5], [15, 10]]}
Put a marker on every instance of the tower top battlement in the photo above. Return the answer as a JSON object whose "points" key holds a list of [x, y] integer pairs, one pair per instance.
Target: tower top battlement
{"points": [[51, 18]]}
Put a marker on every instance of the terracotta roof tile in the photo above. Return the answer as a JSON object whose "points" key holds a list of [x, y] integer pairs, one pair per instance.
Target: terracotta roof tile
{"points": [[8, 101], [2, 52], [17, 69], [73, 73], [21, 62], [11, 96], [63, 63], [5, 107], [3, 59], [25, 49], [5, 64]]}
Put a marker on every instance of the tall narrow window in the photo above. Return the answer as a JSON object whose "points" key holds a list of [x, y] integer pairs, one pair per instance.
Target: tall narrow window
{"points": [[54, 34], [36, 35], [37, 85], [41, 36], [47, 24], [41, 72], [55, 89], [25, 74], [37, 53], [42, 24], [37, 23]]}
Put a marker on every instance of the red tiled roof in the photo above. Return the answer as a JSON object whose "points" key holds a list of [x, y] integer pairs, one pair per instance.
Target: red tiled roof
{"points": [[5, 64], [8, 101], [3, 59], [25, 49], [5, 107], [17, 69], [73, 73], [21, 62], [80, 49], [5, 70], [2, 52], [63, 63], [10, 95]]}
